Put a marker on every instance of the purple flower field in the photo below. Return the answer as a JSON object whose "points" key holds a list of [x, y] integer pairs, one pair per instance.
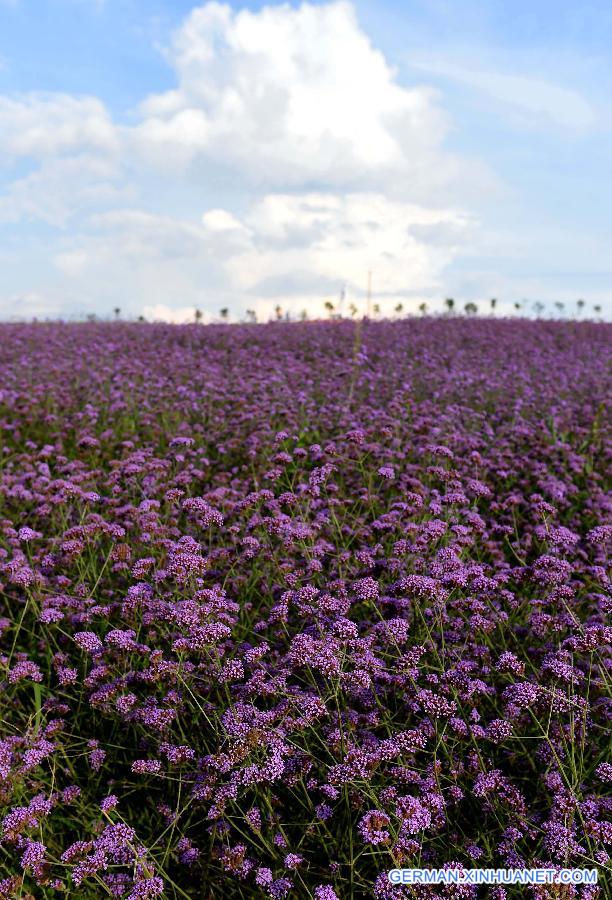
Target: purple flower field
{"points": [[286, 606]]}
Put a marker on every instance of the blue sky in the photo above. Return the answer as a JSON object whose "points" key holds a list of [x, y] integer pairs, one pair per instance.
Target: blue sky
{"points": [[167, 155]]}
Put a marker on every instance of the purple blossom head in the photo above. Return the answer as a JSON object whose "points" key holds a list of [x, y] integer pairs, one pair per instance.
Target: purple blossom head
{"points": [[145, 888], [325, 892], [109, 803], [33, 856], [604, 772], [89, 641], [26, 534], [374, 827]]}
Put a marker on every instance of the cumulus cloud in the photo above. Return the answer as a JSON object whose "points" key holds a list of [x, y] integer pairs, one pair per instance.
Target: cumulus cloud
{"points": [[62, 187], [296, 249], [42, 125], [335, 168], [288, 96], [132, 235], [73, 154], [143, 260], [333, 240]]}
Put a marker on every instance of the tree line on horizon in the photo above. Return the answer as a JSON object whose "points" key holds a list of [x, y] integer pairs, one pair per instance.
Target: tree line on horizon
{"points": [[334, 311]]}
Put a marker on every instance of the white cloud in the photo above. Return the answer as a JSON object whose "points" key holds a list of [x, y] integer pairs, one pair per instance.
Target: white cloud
{"points": [[139, 260], [295, 249], [533, 99], [330, 240], [219, 220], [61, 187], [277, 101], [76, 154], [42, 125], [288, 95], [161, 312], [29, 305], [132, 238]]}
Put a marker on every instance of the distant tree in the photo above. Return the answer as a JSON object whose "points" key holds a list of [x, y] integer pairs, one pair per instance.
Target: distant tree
{"points": [[353, 309], [538, 307], [91, 317], [399, 309], [224, 313], [376, 309], [518, 306], [493, 302], [251, 315], [580, 305], [141, 319], [422, 308], [470, 308], [304, 315], [278, 311], [597, 308], [197, 315], [117, 311], [450, 305], [329, 306], [560, 306]]}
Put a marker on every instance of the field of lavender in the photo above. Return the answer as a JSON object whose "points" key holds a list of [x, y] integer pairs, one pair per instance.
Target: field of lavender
{"points": [[286, 606]]}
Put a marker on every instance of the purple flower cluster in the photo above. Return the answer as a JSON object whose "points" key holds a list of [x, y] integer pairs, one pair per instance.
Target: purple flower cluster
{"points": [[287, 606]]}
